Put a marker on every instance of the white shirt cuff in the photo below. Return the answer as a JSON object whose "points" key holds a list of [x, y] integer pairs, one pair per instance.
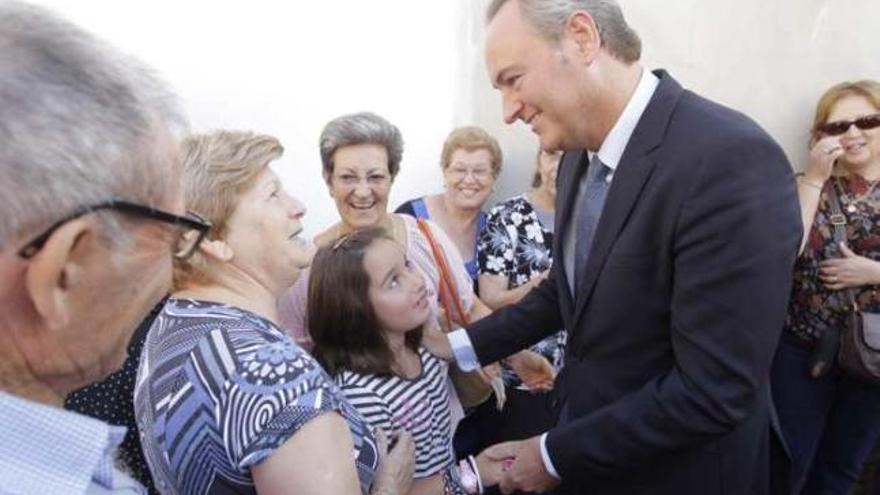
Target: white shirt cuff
{"points": [[463, 350], [545, 456]]}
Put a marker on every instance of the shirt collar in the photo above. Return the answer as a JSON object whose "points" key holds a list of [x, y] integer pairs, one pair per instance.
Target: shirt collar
{"points": [[615, 143], [57, 450]]}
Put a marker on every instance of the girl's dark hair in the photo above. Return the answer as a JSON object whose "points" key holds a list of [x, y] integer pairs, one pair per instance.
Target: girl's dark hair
{"points": [[341, 320]]}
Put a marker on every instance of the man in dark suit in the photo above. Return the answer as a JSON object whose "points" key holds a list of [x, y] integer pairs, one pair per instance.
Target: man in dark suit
{"points": [[678, 226]]}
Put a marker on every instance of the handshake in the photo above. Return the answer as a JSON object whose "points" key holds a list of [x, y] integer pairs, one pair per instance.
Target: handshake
{"points": [[515, 465]]}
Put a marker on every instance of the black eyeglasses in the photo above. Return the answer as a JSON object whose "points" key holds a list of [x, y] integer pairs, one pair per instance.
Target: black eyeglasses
{"points": [[838, 128], [192, 228]]}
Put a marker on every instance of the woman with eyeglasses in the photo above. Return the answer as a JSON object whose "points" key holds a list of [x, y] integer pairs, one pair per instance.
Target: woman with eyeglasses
{"points": [[226, 402], [828, 419], [471, 161]]}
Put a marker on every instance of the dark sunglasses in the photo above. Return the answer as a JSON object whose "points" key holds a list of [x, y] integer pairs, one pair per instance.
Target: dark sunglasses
{"points": [[191, 229], [838, 128]]}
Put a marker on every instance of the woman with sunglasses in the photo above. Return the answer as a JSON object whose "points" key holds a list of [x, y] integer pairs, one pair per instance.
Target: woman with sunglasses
{"points": [[828, 419]]}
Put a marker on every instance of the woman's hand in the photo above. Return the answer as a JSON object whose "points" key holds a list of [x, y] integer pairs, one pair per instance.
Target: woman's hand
{"points": [[823, 154], [533, 369], [396, 467], [849, 271]]}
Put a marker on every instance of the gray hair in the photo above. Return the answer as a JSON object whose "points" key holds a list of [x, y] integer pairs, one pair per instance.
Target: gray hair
{"points": [[548, 17], [361, 128], [79, 123]]}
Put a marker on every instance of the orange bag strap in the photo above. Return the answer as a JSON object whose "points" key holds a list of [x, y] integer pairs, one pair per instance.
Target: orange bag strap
{"points": [[448, 294]]}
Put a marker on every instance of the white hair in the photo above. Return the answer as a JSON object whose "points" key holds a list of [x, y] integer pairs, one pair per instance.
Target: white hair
{"points": [[79, 123], [548, 17]]}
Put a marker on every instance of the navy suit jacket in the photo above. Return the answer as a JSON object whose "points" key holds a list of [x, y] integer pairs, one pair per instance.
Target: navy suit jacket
{"points": [[674, 324]]}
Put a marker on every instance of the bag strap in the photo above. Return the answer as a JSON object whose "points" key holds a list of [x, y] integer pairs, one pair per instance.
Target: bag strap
{"points": [[838, 221], [448, 293]]}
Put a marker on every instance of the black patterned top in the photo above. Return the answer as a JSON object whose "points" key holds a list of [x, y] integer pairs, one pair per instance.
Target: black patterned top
{"points": [[813, 307], [112, 401], [517, 245]]}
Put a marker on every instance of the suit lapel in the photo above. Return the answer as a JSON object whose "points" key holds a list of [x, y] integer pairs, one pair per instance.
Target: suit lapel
{"points": [[630, 177]]}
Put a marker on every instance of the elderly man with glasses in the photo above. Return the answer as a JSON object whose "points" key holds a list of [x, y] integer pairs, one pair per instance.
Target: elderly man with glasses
{"points": [[91, 217]]}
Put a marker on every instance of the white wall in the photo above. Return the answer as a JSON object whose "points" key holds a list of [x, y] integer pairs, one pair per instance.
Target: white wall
{"points": [[285, 68], [771, 59]]}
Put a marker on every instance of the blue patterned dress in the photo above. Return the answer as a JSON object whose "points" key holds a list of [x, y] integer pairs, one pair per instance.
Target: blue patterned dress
{"points": [[219, 389]]}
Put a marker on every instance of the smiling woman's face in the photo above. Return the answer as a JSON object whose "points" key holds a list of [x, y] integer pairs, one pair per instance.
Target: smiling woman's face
{"points": [[360, 184], [264, 234], [861, 148], [469, 178]]}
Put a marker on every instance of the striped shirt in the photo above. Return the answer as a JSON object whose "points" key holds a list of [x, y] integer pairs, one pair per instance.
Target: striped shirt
{"points": [[419, 406]]}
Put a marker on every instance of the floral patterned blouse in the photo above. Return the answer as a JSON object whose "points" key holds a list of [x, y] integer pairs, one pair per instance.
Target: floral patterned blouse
{"points": [[813, 307], [517, 245]]}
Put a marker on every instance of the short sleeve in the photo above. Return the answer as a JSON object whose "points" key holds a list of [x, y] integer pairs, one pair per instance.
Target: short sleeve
{"points": [[495, 248], [284, 425], [292, 307], [269, 391]]}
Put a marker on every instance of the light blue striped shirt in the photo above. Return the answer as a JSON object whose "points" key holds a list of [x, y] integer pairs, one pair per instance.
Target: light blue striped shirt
{"points": [[46, 450]]}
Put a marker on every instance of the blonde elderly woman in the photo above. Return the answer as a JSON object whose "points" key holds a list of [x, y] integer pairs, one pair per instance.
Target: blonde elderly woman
{"points": [[514, 253], [471, 161], [226, 401]]}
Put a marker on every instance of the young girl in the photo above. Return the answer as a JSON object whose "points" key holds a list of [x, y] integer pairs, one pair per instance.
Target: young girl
{"points": [[366, 309]]}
